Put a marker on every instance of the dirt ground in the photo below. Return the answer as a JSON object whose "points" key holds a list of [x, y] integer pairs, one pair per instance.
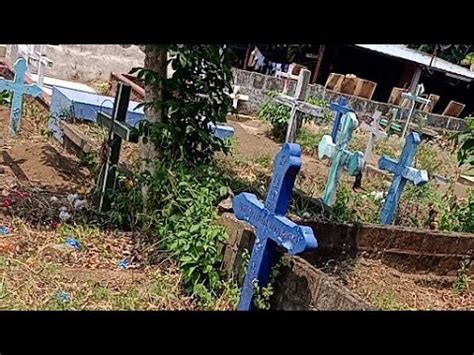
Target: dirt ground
{"points": [[32, 158], [387, 288], [253, 143], [38, 270], [382, 285], [35, 264]]}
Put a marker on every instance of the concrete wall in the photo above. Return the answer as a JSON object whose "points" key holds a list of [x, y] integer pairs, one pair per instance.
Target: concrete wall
{"points": [[258, 86], [87, 62], [300, 286]]}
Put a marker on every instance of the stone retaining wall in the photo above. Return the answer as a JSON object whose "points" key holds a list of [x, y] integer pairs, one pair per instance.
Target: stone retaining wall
{"points": [[258, 87], [300, 286]]}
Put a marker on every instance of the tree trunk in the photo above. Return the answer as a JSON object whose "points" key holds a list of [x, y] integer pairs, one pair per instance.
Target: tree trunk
{"points": [[155, 59]]}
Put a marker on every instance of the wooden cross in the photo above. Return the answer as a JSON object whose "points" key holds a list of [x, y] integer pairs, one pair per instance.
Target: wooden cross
{"points": [[413, 98], [118, 130], [340, 156], [18, 87], [272, 227], [298, 105], [375, 133], [403, 172], [340, 108]]}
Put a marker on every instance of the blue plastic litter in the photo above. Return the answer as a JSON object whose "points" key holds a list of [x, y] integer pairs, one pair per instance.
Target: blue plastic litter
{"points": [[73, 242], [63, 297], [4, 230], [123, 264]]}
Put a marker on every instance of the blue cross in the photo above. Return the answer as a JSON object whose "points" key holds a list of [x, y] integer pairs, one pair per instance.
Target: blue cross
{"points": [[403, 172], [18, 87], [340, 156], [340, 108], [271, 226]]}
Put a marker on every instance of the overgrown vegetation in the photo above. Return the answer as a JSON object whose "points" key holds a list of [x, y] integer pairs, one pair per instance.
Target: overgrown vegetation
{"points": [[5, 98], [176, 214], [464, 142], [278, 115], [462, 282]]}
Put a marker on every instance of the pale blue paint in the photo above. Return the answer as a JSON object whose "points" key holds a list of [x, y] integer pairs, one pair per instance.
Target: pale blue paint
{"points": [[340, 108], [403, 172], [85, 106], [340, 156], [18, 87]]}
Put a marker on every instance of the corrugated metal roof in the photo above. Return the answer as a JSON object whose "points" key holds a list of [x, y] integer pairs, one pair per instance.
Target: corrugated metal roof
{"points": [[412, 55]]}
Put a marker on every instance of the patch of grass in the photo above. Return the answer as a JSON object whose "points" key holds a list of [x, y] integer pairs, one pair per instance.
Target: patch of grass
{"points": [[265, 161], [308, 140], [24, 287], [463, 281], [385, 299]]}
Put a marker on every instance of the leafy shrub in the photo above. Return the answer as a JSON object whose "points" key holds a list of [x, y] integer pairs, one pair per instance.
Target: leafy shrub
{"points": [[178, 217], [464, 142], [277, 115]]}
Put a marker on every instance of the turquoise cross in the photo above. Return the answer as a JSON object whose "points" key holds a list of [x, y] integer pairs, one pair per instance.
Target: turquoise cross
{"points": [[340, 156], [18, 87]]}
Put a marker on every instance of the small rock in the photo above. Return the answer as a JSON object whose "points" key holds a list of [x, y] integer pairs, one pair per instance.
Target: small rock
{"points": [[78, 204], [63, 209], [54, 199], [64, 216], [71, 198], [225, 205], [56, 252]]}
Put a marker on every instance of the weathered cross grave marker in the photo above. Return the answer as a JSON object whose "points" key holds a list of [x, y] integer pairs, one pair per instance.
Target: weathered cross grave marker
{"points": [[41, 61], [340, 108], [390, 125], [18, 88], [413, 98], [272, 228], [118, 130], [298, 105], [236, 97], [340, 156], [375, 133], [403, 172]]}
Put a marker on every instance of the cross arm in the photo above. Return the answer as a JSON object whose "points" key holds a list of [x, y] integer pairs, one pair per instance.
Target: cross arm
{"points": [[122, 129], [301, 106], [326, 147], [4, 85], [418, 99], [353, 161], [285, 100], [388, 164], [280, 229], [418, 177], [33, 90], [375, 131]]}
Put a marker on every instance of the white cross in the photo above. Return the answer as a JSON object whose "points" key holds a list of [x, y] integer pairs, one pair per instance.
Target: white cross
{"points": [[298, 105], [375, 133], [41, 60], [236, 97], [414, 98]]}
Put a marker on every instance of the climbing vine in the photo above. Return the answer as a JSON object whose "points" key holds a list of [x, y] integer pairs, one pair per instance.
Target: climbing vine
{"points": [[195, 98], [176, 215]]}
